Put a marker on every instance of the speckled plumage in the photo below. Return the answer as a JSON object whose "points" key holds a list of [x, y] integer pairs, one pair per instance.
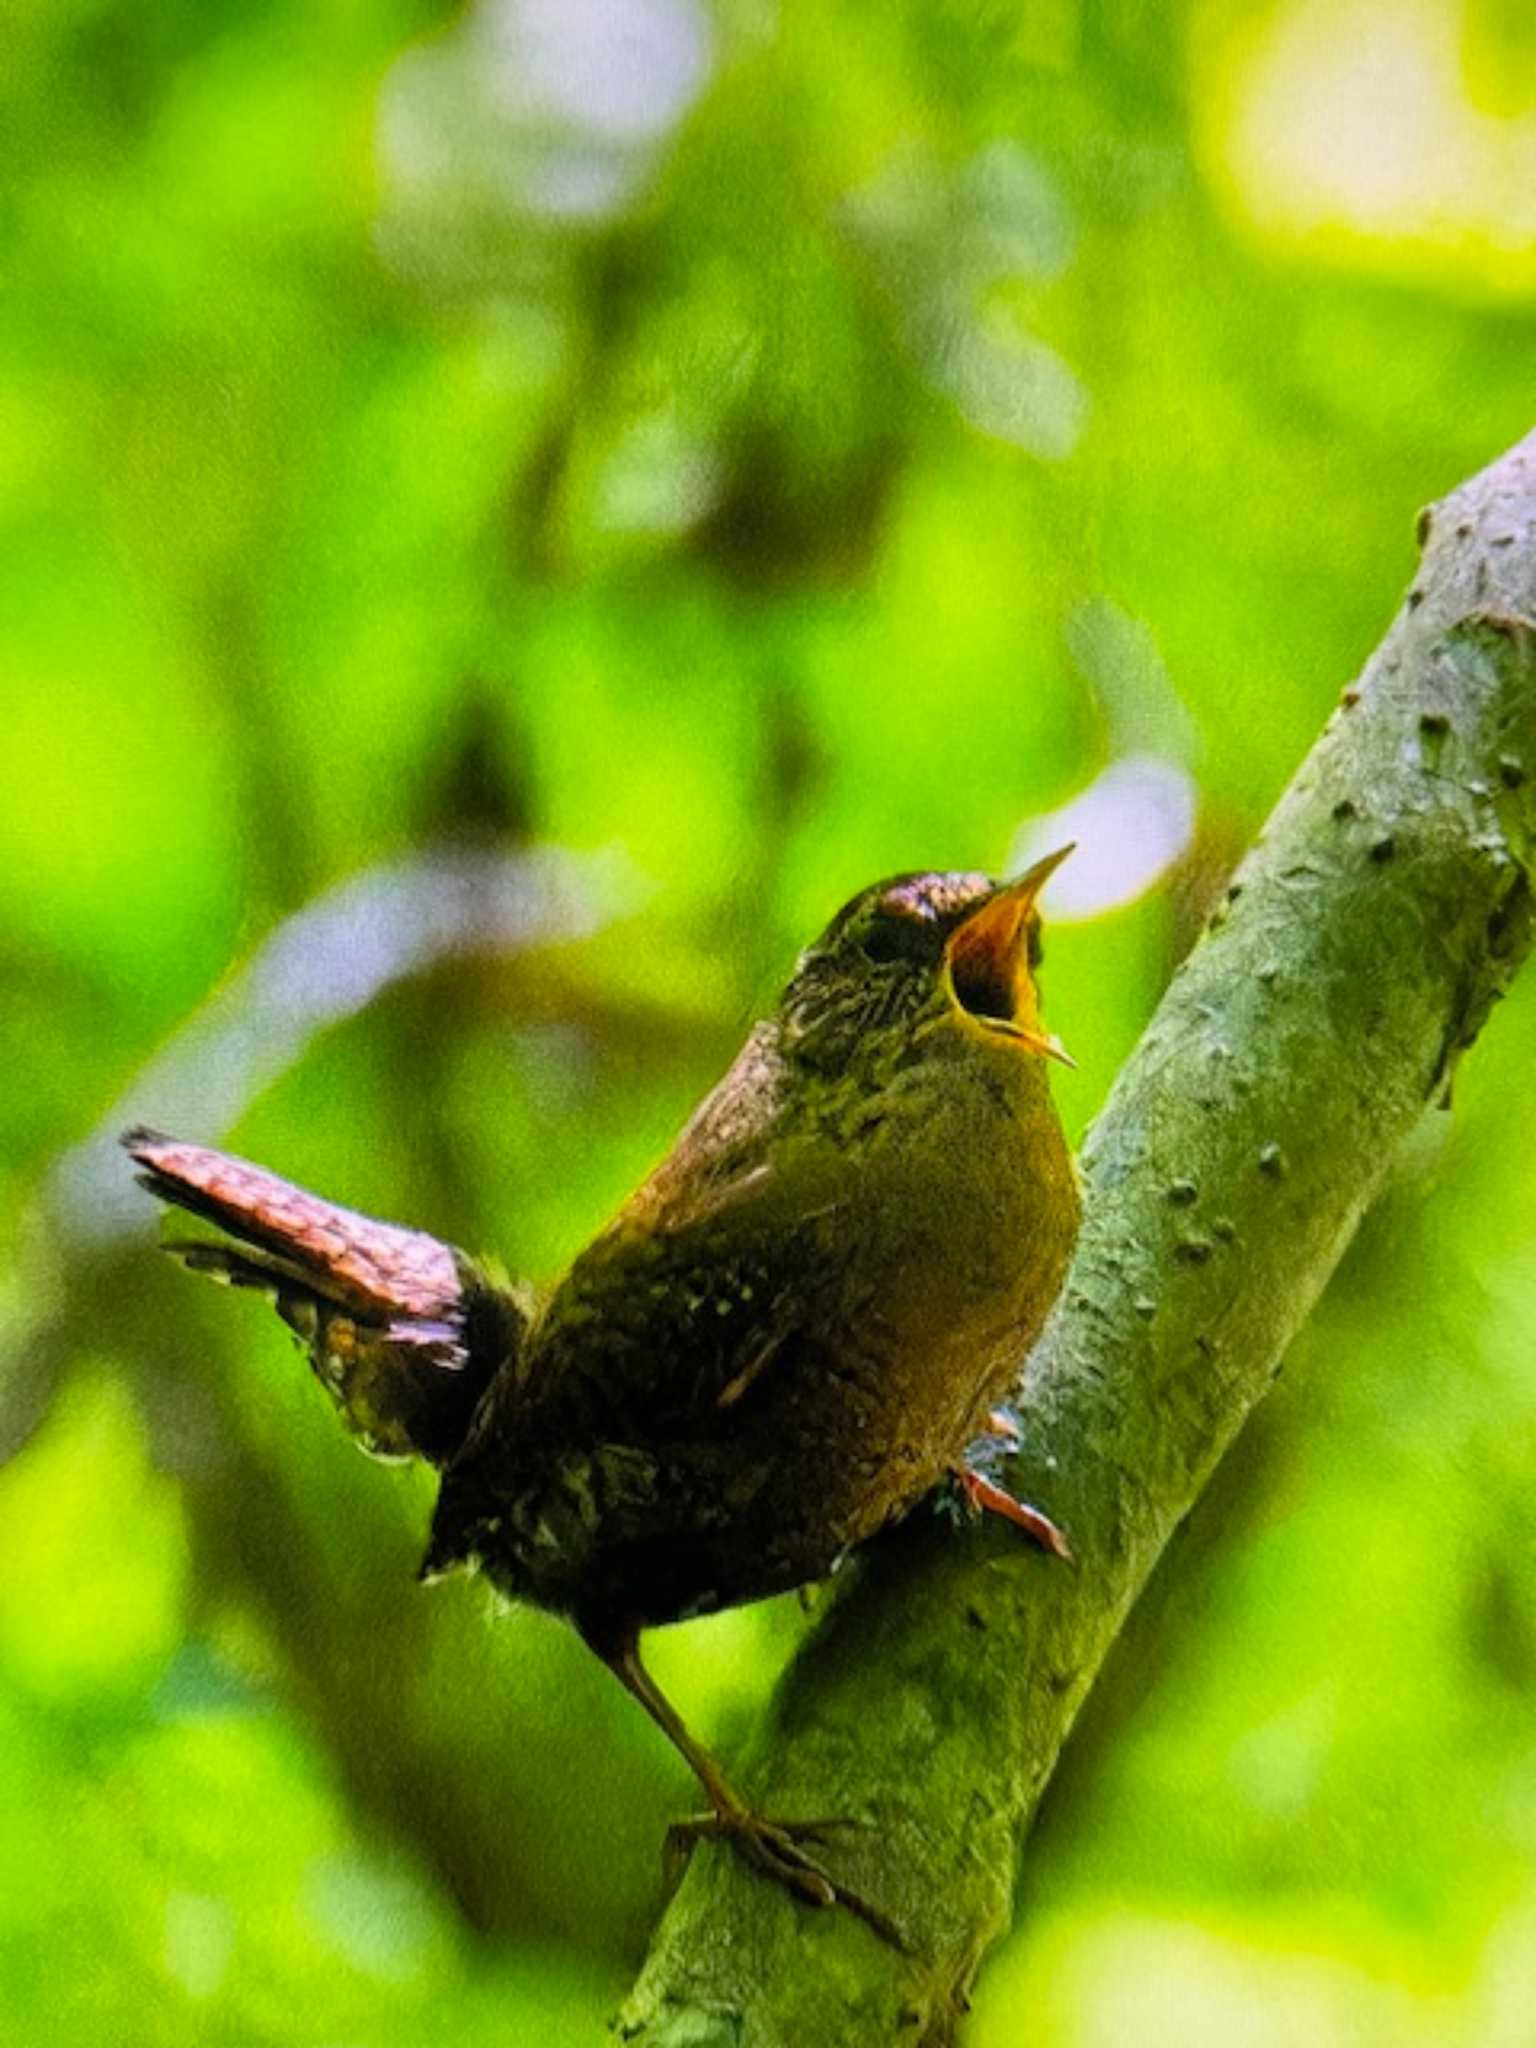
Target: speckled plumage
{"points": [[785, 1338]]}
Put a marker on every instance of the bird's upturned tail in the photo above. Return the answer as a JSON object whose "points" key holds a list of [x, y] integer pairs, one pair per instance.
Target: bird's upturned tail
{"points": [[403, 1331]]}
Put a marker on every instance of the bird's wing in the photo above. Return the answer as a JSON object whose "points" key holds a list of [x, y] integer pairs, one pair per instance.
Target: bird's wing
{"points": [[671, 1320], [403, 1331]]}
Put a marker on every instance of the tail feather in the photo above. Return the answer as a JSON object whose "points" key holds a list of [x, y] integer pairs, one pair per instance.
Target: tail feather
{"points": [[404, 1331], [356, 1260]]}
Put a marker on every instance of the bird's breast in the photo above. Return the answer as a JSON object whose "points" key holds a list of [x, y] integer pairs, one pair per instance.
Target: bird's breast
{"points": [[965, 1192], [948, 1256]]}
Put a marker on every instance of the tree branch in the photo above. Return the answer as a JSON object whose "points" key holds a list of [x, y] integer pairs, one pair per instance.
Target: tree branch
{"points": [[1382, 911]]}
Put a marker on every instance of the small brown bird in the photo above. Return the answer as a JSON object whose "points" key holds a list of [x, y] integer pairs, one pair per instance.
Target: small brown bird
{"points": [[788, 1335]]}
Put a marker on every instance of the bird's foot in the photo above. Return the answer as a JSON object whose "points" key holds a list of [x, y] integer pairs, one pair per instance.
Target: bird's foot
{"points": [[774, 1848], [985, 1496]]}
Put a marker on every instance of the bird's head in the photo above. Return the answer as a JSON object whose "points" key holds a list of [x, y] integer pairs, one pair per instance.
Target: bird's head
{"points": [[919, 949]]}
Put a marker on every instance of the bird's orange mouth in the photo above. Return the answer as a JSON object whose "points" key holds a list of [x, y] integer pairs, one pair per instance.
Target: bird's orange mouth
{"points": [[988, 961]]}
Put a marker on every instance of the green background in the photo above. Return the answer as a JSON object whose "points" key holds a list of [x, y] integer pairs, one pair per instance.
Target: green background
{"points": [[509, 518]]}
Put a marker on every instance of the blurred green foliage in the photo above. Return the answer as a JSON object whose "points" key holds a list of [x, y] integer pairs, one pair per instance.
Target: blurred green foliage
{"points": [[775, 444]]}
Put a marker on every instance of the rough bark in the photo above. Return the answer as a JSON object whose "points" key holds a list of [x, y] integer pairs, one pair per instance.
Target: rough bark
{"points": [[1381, 912]]}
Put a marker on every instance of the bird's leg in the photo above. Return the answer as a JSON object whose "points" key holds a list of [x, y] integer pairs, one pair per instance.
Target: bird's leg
{"points": [[771, 1846], [985, 1496], [982, 1494]]}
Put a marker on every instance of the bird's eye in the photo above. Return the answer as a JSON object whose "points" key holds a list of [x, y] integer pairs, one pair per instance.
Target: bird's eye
{"points": [[899, 938]]}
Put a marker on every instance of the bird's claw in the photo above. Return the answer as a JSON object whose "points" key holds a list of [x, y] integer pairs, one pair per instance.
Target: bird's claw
{"points": [[985, 1496], [773, 1847]]}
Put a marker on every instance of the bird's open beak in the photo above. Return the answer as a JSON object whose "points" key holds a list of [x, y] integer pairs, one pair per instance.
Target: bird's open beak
{"points": [[988, 960]]}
